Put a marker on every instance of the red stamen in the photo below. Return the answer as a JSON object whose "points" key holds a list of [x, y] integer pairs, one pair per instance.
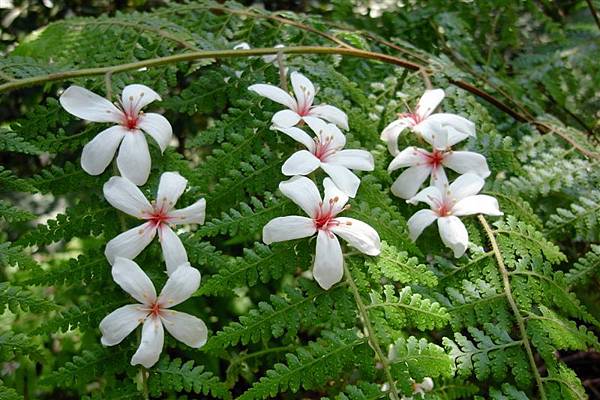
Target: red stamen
{"points": [[415, 118], [155, 309], [435, 159]]}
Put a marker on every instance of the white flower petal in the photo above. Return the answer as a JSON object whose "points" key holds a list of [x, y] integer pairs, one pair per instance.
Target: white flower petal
{"points": [[136, 96], [409, 157], [465, 185], [359, 235], [391, 133], [186, 328], [89, 106], [153, 338], [180, 286], [409, 181], [193, 214], [329, 261], [242, 46], [133, 280], [326, 132], [459, 128], [331, 114], [170, 188], [158, 127], [303, 89], [360, 160], [419, 221], [130, 244], [439, 178], [298, 135], [118, 324], [274, 93], [478, 204], [467, 161], [99, 152], [431, 195], [434, 134], [285, 118], [122, 194], [303, 192], [429, 102], [291, 227], [343, 178], [301, 162], [134, 158], [173, 251], [454, 234], [334, 196]]}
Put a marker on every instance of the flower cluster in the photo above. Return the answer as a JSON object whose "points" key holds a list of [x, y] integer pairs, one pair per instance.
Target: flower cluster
{"points": [[324, 150], [447, 201], [122, 192]]}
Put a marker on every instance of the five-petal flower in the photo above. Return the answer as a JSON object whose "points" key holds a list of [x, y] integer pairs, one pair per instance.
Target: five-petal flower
{"points": [[153, 311], [124, 195], [325, 151], [447, 204], [300, 107], [329, 263], [133, 160], [423, 163], [419, 121]]}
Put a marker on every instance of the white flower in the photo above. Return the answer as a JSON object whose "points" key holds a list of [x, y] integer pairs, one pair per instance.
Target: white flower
{"points": [[272, 58], [329, 263], [456, 200], [153, 311], [242, 46], [416, 121], [325, 151], [133, 160], [300, 107], [423, 163], [127, 197]]}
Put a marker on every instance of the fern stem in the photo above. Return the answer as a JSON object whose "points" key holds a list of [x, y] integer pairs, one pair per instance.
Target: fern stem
{"points": [[513, 305], [364, 314], [145, 391]]}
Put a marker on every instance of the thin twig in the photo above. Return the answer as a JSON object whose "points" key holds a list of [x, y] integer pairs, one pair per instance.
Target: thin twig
{"points": [[594, 12], [513, 305], [282, 75], [364, 315]]}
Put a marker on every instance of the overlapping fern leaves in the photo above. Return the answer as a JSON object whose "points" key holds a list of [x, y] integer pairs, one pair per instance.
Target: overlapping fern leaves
{"points": [[492, 323]]}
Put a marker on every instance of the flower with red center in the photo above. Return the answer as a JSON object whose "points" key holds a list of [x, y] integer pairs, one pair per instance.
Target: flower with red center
{"points": [[323, 220], [301, 106], [423, 164], [133, 160], [421, 119], [446, 205], [325, 151], [159, 215], [153, 311]]}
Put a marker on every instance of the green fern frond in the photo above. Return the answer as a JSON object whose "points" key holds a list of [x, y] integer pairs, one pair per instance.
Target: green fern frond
{"points": [[11, 141], [583, 218], [419, 358], [15, 256], [585, 268], [312, 366], [10, 213], [17, 298], [176, 376], [12, 344], [408, 309], [398, 266]]}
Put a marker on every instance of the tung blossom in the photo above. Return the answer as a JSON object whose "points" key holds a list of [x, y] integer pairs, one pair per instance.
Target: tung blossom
{"points": [[423, 163], [325, 150], [417, 121], [153, 311], [133, 160], [323, 220], [300, 107], [447, 204], [159, 216]]}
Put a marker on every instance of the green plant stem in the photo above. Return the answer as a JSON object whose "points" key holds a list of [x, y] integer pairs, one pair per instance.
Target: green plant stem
{"points": [[364, 314], [145, 391], [513, 305]]}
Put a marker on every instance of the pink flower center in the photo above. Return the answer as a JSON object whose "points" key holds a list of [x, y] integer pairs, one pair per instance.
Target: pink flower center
{"points": [[325, 216], [131, 112], [155, 309], [325, 148], [435, 159], [414, 118], [443, 208], [159, 216]]}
